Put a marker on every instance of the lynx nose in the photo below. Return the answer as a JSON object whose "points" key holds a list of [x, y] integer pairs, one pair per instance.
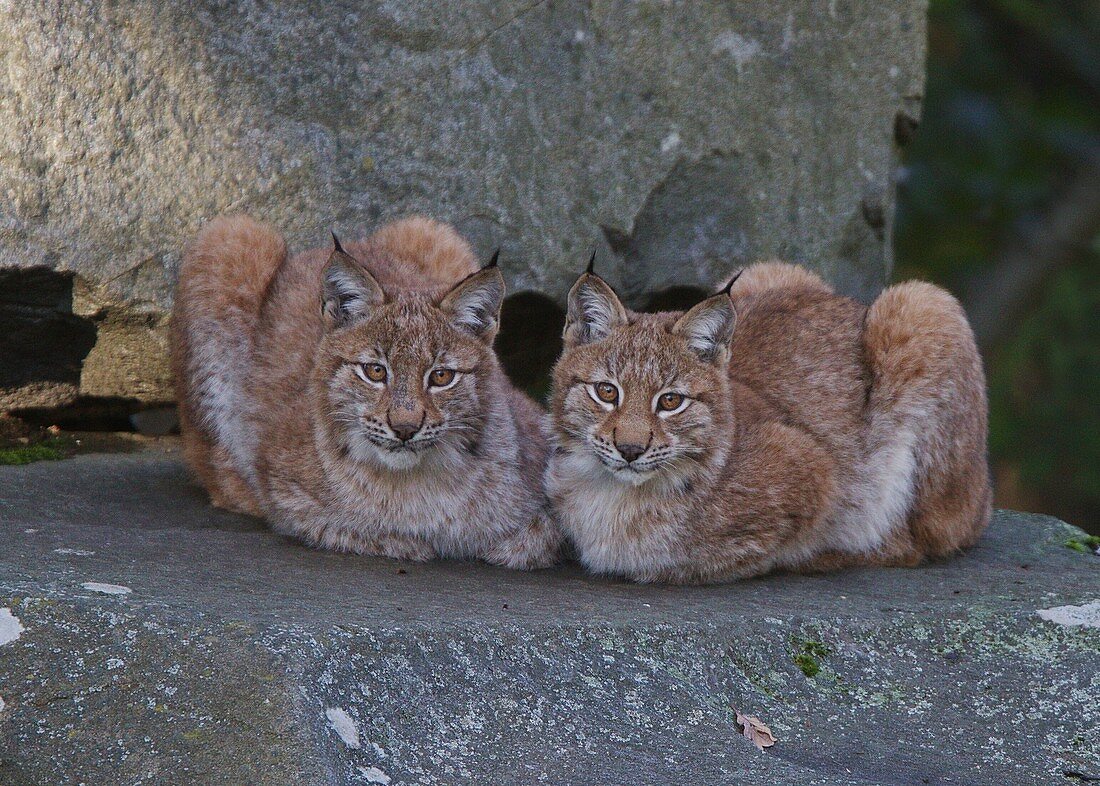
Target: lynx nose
{"points": [[404, 431], [629, 452]]}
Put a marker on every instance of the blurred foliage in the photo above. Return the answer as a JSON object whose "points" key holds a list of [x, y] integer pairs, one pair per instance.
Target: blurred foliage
{"points": [[1011, 114]]}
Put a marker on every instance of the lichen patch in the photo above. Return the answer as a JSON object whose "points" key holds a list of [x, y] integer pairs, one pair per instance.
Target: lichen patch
{"points": [[1087, 615], [10, 627], [343, 725]]}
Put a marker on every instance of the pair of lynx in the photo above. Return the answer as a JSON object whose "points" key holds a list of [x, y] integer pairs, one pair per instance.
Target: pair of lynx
{"points": [[353, 399]]}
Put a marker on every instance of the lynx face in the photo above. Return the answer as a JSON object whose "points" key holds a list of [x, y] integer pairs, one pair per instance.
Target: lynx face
{"points": [[401, 378], [642, 396]]}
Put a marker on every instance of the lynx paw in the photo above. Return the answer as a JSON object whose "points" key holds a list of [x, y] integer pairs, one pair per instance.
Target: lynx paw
{"points": [[373, 545], [529, 548], [401, 547]]}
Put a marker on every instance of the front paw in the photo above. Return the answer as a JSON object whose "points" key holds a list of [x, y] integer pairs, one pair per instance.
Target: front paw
{"points": [[532, 547], [405, 548], [393, 546]]}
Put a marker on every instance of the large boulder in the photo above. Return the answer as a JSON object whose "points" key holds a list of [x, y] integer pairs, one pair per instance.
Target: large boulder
{"points": [[147, 638], [683, 139]]}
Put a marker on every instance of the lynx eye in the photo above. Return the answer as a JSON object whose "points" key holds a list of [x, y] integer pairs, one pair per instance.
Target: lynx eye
{"points": [[441, 377], [669, 402], [372, 372], [606, 392]]}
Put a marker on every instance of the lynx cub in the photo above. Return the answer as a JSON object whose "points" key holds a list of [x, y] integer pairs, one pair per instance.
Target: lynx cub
{"points": [[819, 433], [353, 397]]}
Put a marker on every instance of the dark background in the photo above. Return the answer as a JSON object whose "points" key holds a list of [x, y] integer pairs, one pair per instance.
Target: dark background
{"points": [[999, 200]]}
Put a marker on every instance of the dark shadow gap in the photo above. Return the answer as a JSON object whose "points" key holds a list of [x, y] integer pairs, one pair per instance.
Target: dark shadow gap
{"points": [[529, 341], [679, 298]]}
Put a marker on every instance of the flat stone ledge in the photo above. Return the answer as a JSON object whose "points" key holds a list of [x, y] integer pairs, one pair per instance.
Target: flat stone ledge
{"points": [[238, 656]]}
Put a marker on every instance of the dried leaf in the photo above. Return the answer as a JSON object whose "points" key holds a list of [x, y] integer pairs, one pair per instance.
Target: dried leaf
{"points": [[755, 731]]}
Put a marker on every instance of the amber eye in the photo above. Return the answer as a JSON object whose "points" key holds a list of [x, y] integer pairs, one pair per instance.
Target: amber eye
{"points": [[441, 377], [607, 392], [669, 402], [375, 372]]}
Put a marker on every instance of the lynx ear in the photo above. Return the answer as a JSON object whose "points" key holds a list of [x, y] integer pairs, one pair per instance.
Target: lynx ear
{"points": [[473, 305], [594, 311], [708, 328], [348, 291]]}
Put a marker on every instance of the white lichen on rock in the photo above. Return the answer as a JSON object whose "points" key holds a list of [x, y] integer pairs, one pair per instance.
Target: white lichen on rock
{"points": [[374, 775], [10, 627], [1087, 615], [343, 725], [106, 589], [737, 46]]}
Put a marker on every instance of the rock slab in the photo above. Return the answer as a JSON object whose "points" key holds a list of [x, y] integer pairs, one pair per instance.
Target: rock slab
{"points": [[240, 657], [684, 139]]}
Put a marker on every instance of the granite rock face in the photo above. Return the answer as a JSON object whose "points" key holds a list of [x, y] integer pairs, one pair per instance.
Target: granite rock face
{"points": [[147, 638], [684, 139]]}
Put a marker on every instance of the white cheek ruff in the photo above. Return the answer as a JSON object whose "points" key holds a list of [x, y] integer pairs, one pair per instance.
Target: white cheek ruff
{"points": [[605, 405]]}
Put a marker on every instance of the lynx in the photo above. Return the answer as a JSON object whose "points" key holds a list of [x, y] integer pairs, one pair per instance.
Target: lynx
{"points": [[775, 425], [353, 398]]}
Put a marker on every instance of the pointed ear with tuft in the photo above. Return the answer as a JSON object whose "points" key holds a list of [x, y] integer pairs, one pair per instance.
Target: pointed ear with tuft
{"points": [[348, 291], [594, 310], [708, 328], [473, 305]]}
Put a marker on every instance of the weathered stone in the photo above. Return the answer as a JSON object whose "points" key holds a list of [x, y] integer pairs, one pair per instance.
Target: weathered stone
{"points": [[695, 137], [241, 657]]}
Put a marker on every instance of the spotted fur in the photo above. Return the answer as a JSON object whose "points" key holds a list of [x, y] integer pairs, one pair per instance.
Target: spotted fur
{"points": [[812, 433], [276, 360]]}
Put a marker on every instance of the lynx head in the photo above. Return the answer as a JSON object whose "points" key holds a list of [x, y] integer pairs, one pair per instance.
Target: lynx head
{"points": [[642, 397], [402, 377]]}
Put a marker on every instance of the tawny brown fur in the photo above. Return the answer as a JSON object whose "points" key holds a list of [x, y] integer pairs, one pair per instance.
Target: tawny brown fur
{"points": [[280, 420], [818, 434]]}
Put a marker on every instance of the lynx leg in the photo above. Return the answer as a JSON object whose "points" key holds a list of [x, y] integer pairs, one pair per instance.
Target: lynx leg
{"points": [[786, 484], [898, 551], [928, 384], [213, 468]]}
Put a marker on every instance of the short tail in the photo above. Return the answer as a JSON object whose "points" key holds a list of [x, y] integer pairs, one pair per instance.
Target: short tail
{"points": [[223, 279]]}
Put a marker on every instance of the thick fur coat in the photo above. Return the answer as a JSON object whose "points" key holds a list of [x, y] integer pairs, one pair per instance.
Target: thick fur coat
{"points": [[775, 425], [353, 398]]}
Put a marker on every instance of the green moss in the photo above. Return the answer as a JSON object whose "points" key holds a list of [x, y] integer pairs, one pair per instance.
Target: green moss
{"points": [[808, 655], [49, 450], [808, 664], [1085, 545]]}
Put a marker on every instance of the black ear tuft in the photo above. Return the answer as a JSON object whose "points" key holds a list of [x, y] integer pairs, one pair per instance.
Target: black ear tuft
{"points": [[591, 269], [493, 260], [726, 290], [336, 244]]}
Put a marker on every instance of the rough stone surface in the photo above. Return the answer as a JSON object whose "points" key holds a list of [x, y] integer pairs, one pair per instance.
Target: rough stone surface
{"points": [[684, 138], [241, 657]]}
